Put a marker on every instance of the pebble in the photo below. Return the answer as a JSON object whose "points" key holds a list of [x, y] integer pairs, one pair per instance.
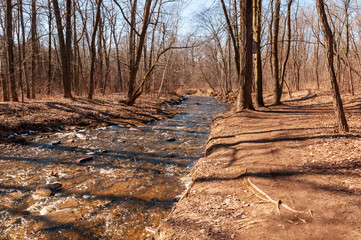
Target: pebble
{"points": [[48, 189], [84, 160], [55, 143]]}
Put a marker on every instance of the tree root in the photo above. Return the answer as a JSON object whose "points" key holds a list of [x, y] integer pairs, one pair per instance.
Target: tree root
{"points": [[263, 196]]}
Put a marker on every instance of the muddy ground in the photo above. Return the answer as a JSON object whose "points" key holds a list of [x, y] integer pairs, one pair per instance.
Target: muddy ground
{"points": [[281, 172], [19, 120]]}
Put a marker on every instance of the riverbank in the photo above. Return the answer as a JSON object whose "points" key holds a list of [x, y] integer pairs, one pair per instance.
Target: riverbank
{"points": [[282, 172], [111, 182], [18, 120]]}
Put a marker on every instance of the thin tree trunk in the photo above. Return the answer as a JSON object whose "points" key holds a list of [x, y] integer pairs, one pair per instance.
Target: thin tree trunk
{"points": [[327, 33], [347, 4], [65, 57], [34, 48], [233, 32], [257, 13], [107, 62], [316, 65], [68, 40], [75, 54], [93, 51], [4, 80], [20, 60], [10, 48], [274, 47], [288, 48], [48, 85], [23, 49], [134, 64]]}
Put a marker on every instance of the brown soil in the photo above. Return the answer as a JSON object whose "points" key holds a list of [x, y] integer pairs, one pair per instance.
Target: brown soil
{"points": [[52, 114], [282, 172]]}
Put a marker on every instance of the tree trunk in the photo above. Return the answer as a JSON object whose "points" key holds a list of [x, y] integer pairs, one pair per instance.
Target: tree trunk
{"points": [[244, 98], [48, 85], [93, 51], [233, 32], [20, 59], [34, 48], [133, 68], [257, 13], [316, 65], [4, 81], [274, 52], [68, 41], [10, 48], [75, 55], [288, 48], [64, 49], [23, 49], [135, 57], [328, 36]]}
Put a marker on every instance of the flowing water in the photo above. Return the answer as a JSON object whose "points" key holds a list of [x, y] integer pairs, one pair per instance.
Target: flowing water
{"points": [[117, 182]]}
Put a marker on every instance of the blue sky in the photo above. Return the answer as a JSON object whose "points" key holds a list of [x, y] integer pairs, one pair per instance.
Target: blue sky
{"points": [[191, 7]]}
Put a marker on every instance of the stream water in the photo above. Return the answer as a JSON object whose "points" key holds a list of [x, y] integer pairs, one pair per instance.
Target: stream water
{"points": [[117, 182]]}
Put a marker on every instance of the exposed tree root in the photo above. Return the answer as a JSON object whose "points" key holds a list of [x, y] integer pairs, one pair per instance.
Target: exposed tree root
{"points": [[263, 196]]}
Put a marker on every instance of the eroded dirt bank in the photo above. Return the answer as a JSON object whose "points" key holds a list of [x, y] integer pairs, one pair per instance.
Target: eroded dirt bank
{"points": [[277, 173]]}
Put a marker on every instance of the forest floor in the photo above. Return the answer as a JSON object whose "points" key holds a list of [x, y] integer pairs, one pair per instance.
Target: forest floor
{"points": [[19, 120], [281, 172]]}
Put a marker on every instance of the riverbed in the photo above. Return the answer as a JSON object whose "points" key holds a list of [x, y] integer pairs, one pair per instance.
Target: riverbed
{"points": [[117, 182]]}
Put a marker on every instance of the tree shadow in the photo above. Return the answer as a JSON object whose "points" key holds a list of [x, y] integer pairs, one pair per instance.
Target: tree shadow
{"points": [[216, 146]]}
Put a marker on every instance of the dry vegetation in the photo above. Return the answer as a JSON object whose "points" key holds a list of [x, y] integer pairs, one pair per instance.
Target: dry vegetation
{"points": [[52, 114]]}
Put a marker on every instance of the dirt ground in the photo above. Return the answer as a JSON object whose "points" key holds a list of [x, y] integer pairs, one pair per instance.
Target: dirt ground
{"points": [[18, 120], [281, 172]]}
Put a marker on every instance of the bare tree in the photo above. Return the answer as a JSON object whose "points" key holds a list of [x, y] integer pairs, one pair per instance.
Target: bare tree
{"points": [[10, 48], [93, 50], [242, 44], [257, 13], [329, 41], [4, 82], [65, 45], [23, 48], [274, 51], [244, 98]]}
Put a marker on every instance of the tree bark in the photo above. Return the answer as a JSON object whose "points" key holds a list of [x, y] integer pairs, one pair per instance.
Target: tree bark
{"points": [[233, 32], [23, 49], [34, 48], [329, 41], [4, 81], [288, 48], [274, 52], [136, 53], [64, 49], [10, 48], [257, 13], [48, 85], [244, 98], [20, 59], [93, 51]]}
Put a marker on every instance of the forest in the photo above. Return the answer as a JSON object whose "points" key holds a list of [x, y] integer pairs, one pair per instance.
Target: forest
{"points": [[180, 119], [88, 48]]}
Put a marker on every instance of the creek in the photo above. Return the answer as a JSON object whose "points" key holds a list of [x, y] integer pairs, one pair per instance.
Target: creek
{"points": [[118, 182]]}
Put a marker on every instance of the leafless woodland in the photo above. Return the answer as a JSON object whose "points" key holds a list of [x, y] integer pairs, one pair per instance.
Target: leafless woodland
{"points": [[96, 47]]}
